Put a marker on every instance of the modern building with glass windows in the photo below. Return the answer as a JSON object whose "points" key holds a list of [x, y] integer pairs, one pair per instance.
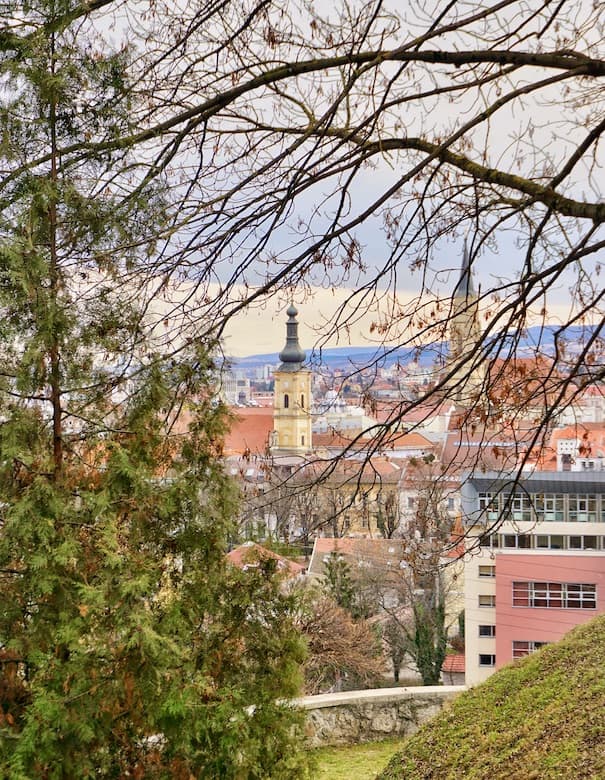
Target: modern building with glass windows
{"points": [[535, 565]]}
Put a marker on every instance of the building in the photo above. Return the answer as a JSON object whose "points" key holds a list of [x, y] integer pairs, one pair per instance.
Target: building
{"points": [[535, 565], [292, 396], [235, 388], [355, 497], [333, 413], [580, 447]]}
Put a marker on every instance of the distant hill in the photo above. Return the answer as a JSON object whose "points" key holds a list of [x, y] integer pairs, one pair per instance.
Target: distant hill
{"points": [[347, 357], [358, 357], [539, 719]]}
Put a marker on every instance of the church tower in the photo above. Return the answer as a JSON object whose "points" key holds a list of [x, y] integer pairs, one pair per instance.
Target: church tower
{"points": [[465, 337], [292, 395]]}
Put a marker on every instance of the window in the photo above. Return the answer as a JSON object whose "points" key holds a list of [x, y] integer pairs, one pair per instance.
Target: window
{"points": [[521, 506], [286, 401], [487, 571], [581, 596], [583, 542], [487, 630], [555, 595], [411, 502], [487, 600], [489, 540], [550, 542], [487, 659], [521, 541], [302, 401], [488, 503], [550, 507], [521, 649], [302, 440], [582, 509]]}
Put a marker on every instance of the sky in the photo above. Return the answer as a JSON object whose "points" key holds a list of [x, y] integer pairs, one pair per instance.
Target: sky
{"points": [[263, 330]]}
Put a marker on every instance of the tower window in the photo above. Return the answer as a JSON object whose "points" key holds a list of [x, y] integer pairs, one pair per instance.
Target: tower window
{"points": [[302, 440], [302, 401], [286, 401]]}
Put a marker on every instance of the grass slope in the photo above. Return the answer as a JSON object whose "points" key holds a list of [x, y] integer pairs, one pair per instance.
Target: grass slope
{"points": [[539, 719]]}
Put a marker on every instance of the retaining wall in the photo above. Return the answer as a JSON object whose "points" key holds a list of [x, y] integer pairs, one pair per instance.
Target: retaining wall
{"points": [[365, 716]]}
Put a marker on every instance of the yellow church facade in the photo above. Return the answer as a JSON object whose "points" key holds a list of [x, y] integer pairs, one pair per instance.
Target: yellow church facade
{"points": [[292, 396]]}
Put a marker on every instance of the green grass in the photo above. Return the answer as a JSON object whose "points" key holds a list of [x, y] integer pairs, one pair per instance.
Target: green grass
{"points": [[539, 719], [354, 762]]}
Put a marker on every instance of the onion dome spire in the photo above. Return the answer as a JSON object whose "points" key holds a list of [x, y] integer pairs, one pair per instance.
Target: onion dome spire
{"points": [[292, 356]]}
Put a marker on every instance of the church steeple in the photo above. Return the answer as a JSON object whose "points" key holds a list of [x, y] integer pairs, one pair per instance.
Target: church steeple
{"points": [[292, 396], [465, 336], [465, 288], [292, 356], [464, 318]]}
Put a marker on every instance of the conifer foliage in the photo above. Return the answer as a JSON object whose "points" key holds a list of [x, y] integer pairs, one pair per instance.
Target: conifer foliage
{"points": [[127, 647]]}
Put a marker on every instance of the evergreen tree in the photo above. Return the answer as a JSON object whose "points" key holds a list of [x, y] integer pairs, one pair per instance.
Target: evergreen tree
{"points": [[339, 582], [128, 646]]}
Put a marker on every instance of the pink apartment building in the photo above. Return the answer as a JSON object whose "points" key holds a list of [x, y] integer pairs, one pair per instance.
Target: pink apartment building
{"points": [[541, 597], [536, 562]]}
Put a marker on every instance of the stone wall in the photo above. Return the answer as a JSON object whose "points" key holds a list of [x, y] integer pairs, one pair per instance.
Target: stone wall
{"points": [[365, 716]]}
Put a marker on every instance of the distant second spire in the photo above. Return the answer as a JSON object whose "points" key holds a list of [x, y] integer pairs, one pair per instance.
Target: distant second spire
{"points": [[465, 288]]}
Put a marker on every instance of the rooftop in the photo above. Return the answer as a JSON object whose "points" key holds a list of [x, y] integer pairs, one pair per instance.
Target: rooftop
{"points": [[249, 554], [541, 482], [453, 664], [250, 431]]}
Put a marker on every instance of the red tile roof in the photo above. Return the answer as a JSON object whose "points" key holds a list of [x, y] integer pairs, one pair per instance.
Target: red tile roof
{"points": [[407, 440], [334, 439], [591, 438], [475, 447], [453, 664], [380, 444], [373, 471], [249, 431], [247, 555], [590, 435], [379, 551]]}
